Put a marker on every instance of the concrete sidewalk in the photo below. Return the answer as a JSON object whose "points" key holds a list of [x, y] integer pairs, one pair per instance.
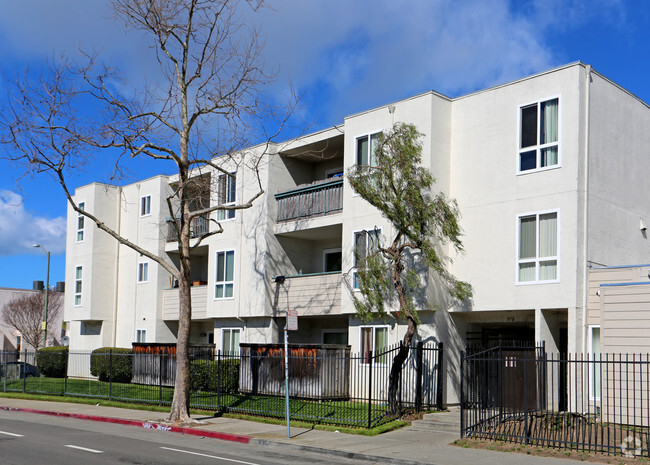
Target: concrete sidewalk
{"points": [[407, 446]]}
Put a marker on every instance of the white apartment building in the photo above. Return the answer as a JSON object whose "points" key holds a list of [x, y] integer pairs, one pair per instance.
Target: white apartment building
{"points": [[549, 173]]}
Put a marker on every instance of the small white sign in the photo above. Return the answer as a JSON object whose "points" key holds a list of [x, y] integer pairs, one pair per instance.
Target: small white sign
{"points": [[292, 320]]}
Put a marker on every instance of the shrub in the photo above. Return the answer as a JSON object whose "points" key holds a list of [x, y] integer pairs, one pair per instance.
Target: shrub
{"points": [[117, 367], [53, 361], [206, 376]]}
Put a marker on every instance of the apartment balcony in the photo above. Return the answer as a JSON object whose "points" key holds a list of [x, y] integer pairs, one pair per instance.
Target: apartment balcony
{"points": [[199, 295], [316, 294], [199, 226], [318, 199]]}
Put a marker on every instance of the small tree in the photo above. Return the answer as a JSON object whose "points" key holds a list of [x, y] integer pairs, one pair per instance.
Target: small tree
{"points": [[393, 274], [197, 119], [25, 314]]}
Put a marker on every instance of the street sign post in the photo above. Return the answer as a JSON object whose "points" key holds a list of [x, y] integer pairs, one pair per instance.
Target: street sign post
{"points": [[291, 325]]}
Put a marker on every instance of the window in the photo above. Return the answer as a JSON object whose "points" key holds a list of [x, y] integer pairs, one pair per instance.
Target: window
{"points": [[335, 336], [366, 149], [224, 277], [365, 243], [332, 260], [538, 135], [78, 285], [594, 368], [227, 188], [538, 248], [140, 335], [81, 222], [375, 339], [230, 341], [143, 272], [145, 205]]}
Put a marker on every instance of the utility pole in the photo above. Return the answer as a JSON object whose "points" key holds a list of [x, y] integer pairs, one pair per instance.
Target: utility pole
{"points": [[47, 292]]}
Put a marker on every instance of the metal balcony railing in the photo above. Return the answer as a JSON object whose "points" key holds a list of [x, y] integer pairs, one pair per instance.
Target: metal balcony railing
{"points": [[320, 199], [199, 226]]}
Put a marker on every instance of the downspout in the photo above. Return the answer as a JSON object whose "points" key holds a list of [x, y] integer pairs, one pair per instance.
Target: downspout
{"points": [[585, 213], [117, 266]]}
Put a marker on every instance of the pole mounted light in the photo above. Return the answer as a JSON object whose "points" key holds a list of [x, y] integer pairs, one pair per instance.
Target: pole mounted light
{"points": [[47, 292]]}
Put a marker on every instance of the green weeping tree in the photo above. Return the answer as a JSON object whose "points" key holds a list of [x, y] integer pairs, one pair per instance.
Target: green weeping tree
{"points": [[389, 275]]}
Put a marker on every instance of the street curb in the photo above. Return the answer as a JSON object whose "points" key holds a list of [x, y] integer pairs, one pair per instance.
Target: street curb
{"points": [[217, 435], [142, 424]]}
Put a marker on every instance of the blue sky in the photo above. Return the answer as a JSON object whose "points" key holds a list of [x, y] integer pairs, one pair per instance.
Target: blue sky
{"points": [[342, 56]]}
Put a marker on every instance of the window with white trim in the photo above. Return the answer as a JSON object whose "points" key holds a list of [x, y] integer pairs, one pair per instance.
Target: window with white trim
{"points": [[594, 367], [225, 275], [78, 283], [145, 205], [375, 339], [226, 195], [366, 149], [537, 255], [538, 135], [140, 335], [230, 341], [143, 272], [365, 243], [81, 221]]}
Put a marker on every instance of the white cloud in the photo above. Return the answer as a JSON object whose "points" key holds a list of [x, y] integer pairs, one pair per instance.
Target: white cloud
{"points": [[20, 229]]}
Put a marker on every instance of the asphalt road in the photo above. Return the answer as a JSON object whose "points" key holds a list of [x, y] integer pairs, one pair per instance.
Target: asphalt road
{"points": [[38, 439]]}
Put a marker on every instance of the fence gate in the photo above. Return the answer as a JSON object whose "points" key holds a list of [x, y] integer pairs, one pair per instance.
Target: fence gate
{"points": [[499, 382]]}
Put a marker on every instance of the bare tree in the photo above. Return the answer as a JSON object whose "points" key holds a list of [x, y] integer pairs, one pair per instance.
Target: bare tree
{"points": [[198, 118], [25, 314]]}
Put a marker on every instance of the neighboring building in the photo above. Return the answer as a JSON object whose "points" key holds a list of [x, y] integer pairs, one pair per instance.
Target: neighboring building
{"points": [[10, 338], [549, 174]]}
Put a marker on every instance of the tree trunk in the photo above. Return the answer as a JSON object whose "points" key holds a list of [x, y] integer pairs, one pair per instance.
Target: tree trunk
{"points": [[396, 367]]}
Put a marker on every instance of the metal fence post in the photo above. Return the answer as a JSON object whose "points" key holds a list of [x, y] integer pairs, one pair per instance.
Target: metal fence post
{"points": [[160, 365], [418, 377], [462, 394], [440, 376], [370, 389], [525, 394], [5, 371], [110, 374], [24, 374], [218, 378]]}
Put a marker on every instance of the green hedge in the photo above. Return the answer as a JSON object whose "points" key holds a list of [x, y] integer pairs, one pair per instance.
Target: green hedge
{"points": [[117, 367], [204, 376], [52, 361]]}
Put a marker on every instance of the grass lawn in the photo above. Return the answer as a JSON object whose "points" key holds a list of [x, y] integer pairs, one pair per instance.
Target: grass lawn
{"points": [[342, 413]]}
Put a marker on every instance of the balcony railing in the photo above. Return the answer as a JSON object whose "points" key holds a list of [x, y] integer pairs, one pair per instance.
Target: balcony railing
{"points": [[320, 199], [198, 227], [199, 296], [314, 294]]}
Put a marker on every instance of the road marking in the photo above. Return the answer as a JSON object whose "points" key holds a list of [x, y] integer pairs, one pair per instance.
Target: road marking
{"points": [[209, 456], [83, 448], [12, 434]]}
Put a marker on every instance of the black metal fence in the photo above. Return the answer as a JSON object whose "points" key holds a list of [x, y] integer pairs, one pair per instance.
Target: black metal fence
{"points": [[240, 383], [594, 403]]}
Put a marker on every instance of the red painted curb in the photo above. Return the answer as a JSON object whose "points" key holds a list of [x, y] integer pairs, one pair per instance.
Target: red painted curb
{"points": [[142, 424]]}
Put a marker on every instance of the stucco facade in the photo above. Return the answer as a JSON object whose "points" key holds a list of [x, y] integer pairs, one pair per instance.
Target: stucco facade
{"points": [[557, 157]]}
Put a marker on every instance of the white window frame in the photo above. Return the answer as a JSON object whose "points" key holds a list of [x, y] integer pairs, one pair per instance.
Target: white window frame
{"points": [[538, 147], [232, 352], [145, 205], [369, 135], [143, 272], [227, 215], [592, 364], [141, 335], [326, 252], [225, 282], [537, 258], [353, 271], [78, 296], [81, 222], [373, 339]]}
